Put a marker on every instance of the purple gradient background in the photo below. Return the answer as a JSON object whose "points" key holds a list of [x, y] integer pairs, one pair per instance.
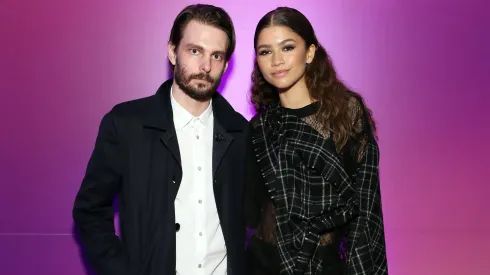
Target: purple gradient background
{"points": [[423, 67]]}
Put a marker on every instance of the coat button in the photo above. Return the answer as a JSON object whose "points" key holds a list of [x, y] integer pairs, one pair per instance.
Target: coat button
{"points": [[177, 227]]}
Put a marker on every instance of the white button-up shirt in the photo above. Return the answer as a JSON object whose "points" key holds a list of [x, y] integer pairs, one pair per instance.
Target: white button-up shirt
{"points": [[200, 246]]}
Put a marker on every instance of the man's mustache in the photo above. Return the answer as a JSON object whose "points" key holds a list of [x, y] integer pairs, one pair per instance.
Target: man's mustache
{"points": [[202, 76]]}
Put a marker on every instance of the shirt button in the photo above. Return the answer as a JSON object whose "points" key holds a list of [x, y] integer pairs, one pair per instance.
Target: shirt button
{"points": [[199, 168], [200, 201], [197, 136], [199, 265], [200, 233]]}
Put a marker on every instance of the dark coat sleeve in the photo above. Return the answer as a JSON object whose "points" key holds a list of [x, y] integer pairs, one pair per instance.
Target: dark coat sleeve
{"points": [[93, 208]]}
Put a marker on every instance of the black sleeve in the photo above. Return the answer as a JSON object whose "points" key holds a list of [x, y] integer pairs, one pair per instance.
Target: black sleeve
{"points": [[367, 239], [93, 208]]}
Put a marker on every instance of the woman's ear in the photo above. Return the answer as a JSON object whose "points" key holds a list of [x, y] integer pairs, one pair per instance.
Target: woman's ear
{"points": [[310, 53]]}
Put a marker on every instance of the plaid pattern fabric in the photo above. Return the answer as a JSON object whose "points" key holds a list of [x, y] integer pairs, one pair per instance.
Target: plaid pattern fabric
{"points": [[314, 194]]}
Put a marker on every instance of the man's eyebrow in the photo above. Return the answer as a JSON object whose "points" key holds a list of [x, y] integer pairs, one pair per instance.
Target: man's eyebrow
{"points": [[197, 47], [194, 46]]}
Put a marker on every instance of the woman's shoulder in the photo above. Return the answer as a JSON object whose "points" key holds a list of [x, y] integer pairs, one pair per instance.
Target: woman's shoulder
{"points": [[256, 121]]}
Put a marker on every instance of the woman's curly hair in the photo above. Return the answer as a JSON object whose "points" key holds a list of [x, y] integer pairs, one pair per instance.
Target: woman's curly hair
{"points": [[336, 113]]}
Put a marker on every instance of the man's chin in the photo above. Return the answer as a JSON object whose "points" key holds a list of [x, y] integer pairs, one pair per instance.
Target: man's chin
{"points": [[200, 95]]}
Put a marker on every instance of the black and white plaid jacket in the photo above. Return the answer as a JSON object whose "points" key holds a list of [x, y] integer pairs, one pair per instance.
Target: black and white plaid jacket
{"points": [[314, 193]]}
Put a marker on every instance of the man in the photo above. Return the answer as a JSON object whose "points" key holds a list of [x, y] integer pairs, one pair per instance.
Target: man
{"points": [[176, 161]]}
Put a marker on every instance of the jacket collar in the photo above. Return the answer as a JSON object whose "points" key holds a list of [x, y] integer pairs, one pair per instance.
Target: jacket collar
{"points": [[160, 113]]}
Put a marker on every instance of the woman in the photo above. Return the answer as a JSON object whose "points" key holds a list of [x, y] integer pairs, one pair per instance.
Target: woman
{"points": [[314, 197]]}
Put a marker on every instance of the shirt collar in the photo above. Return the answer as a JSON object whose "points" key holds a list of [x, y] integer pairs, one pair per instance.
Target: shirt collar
{"points": [[182, 117]]}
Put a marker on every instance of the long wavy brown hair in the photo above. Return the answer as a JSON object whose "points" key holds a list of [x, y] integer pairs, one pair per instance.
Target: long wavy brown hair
{"points": [[321, 79]]}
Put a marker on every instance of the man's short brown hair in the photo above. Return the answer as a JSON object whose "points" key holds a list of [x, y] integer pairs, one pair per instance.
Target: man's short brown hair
{"points": [[208, 15]]}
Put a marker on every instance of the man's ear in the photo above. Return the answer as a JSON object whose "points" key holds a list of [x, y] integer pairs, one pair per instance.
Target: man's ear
{"points": [[226, 66], [172, 56]]}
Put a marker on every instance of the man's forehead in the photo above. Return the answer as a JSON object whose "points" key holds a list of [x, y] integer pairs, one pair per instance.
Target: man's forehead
{"points": [[206, 36]]}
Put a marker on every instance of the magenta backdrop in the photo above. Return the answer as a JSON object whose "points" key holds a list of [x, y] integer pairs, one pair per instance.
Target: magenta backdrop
{"points": [[422, 65]]}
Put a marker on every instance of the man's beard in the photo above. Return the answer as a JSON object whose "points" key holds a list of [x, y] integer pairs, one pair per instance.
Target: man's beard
{"points": [[199, 91]]}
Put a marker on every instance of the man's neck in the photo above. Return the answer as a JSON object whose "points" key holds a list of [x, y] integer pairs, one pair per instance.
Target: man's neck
{"points": [[195, 107]]}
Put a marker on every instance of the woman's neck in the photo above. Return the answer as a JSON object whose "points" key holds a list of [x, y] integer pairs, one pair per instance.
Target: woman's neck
{"points": [[296, 96]]}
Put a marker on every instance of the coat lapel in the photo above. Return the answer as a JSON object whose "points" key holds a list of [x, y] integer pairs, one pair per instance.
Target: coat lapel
{"points": [[221, 142], [160, 118], [226, 122], [169, 139]]}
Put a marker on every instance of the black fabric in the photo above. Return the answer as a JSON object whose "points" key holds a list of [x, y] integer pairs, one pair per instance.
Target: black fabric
{"points": [[136, 157], [315, 190]]}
